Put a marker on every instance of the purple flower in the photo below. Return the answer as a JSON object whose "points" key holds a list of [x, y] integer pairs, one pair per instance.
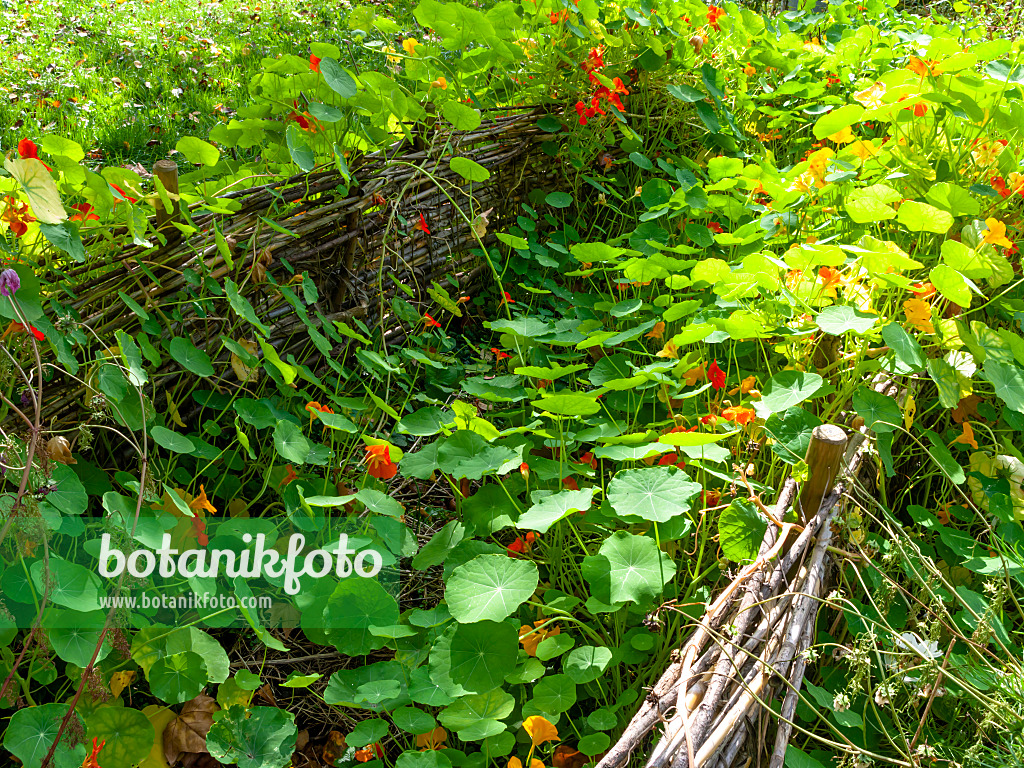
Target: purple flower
{"points": [[9, 282]]}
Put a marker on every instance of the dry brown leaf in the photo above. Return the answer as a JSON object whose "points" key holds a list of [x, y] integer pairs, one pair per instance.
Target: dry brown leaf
{"points": [[187, 732], [59, 449], [567, 757], [334, 748], [244, 373]]}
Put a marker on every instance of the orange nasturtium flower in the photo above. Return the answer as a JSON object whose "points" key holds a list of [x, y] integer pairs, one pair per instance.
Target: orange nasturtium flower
{"points": [[693, 375], [531, 637], [314, 62], [714, 14], [92, 758], [923, 68], [845, 136], [657, 332], [865, 150], [669, 350], [430, 321], [749, 70], [919, 315], [367, 754], [739, 414], [434, 739], [996, 233], [746, 386], [515, 762], [291, 475], [540, 730], [16, 216], [201, 502], [441, 83], [379, 463], [315, 406], [967, 438]]}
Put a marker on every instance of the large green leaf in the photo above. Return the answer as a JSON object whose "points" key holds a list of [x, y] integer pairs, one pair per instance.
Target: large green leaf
{"points": [[880, 412], [490, 587], [627, 568], [261, 737], [904, 346], [356, 605], [1008, 381], [921, 217], [32, 730], [190, 357], [290, 443], [790, 431], [548, 510], [461, 116], [786, 389], [178, 677], [740, 531], [834, 121], [570, 404], [127, 732], [337, 79], [197, 151], [467, 454], [474, 658], [838, 320], [657, 493], [70, 584], [74, 635]]}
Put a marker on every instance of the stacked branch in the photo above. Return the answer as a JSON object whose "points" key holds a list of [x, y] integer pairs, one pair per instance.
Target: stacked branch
{"points": [[355, 238], [750, 646]]}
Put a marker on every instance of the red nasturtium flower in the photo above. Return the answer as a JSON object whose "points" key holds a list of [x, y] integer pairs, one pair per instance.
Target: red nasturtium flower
{"points": [[499, 355], [717, 375], [315, 406], [16, 327], [714, 14], [508, 298], [739, 414], [16, 216], [85, 213], [28, 149], [715, 227], [124, 195], [671, 459], [431, 322], [522, 544], [92, 758], [557, 16], [570, 483], [422, 225], [379, 463], [367, 754], [588, 458], [291, 475], [314, 62]]}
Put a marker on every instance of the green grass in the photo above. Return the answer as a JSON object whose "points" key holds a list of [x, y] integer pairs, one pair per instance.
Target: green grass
{"points": [[127, 79]]}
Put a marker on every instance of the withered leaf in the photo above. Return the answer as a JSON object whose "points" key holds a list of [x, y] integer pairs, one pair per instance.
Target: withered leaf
{"points": [[187, 732]]}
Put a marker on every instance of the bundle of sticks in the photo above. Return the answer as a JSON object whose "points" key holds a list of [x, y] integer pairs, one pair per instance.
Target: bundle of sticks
{"points": [[714, 700]]}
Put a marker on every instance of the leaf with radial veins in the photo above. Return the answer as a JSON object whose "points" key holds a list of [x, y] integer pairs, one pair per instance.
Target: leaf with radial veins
{"points": [[490, 587]]}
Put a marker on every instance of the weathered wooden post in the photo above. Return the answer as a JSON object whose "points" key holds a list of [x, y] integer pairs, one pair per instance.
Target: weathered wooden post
{"points": [[824, 455], [167, 172]]}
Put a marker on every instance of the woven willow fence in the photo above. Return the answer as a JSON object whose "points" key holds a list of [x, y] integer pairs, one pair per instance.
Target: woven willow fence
{"points": [[357, 247]]}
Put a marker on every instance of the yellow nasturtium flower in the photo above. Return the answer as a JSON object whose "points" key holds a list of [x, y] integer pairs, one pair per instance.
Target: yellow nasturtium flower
{"points": [[996, 234], [409, 44]]}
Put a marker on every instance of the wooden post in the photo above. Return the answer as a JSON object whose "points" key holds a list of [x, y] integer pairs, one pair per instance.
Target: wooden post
{"points": [[167, 172], [824, 454]]}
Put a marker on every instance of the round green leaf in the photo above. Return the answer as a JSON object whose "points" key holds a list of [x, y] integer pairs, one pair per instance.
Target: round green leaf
{"points": [[261, 737], [32, 730], [127, 732], [627, 568], [587, 663], [568, 405], [428, 758], [481, 654], [880, 412], [190, 357], [337, 79], [838, 320], [367, 732], [70, 584], [467, 711], [594, 744], [197, 151], [837, 119], [554, 507], [553, 647], [554, 694], [558, 199], [921, 217], [68, 495], [740, 531], [490, 587], [289, 442], [461, 116], [355, 605], [657, 494], [74, 635], [171, 440], [413, 720], [786, 389], [468, 169], [951, 284], [178, 677], [467, 454]]}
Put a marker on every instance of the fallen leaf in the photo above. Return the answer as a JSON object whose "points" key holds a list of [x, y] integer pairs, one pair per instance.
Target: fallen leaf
{"points": [[186, 734], [119, 681]]}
